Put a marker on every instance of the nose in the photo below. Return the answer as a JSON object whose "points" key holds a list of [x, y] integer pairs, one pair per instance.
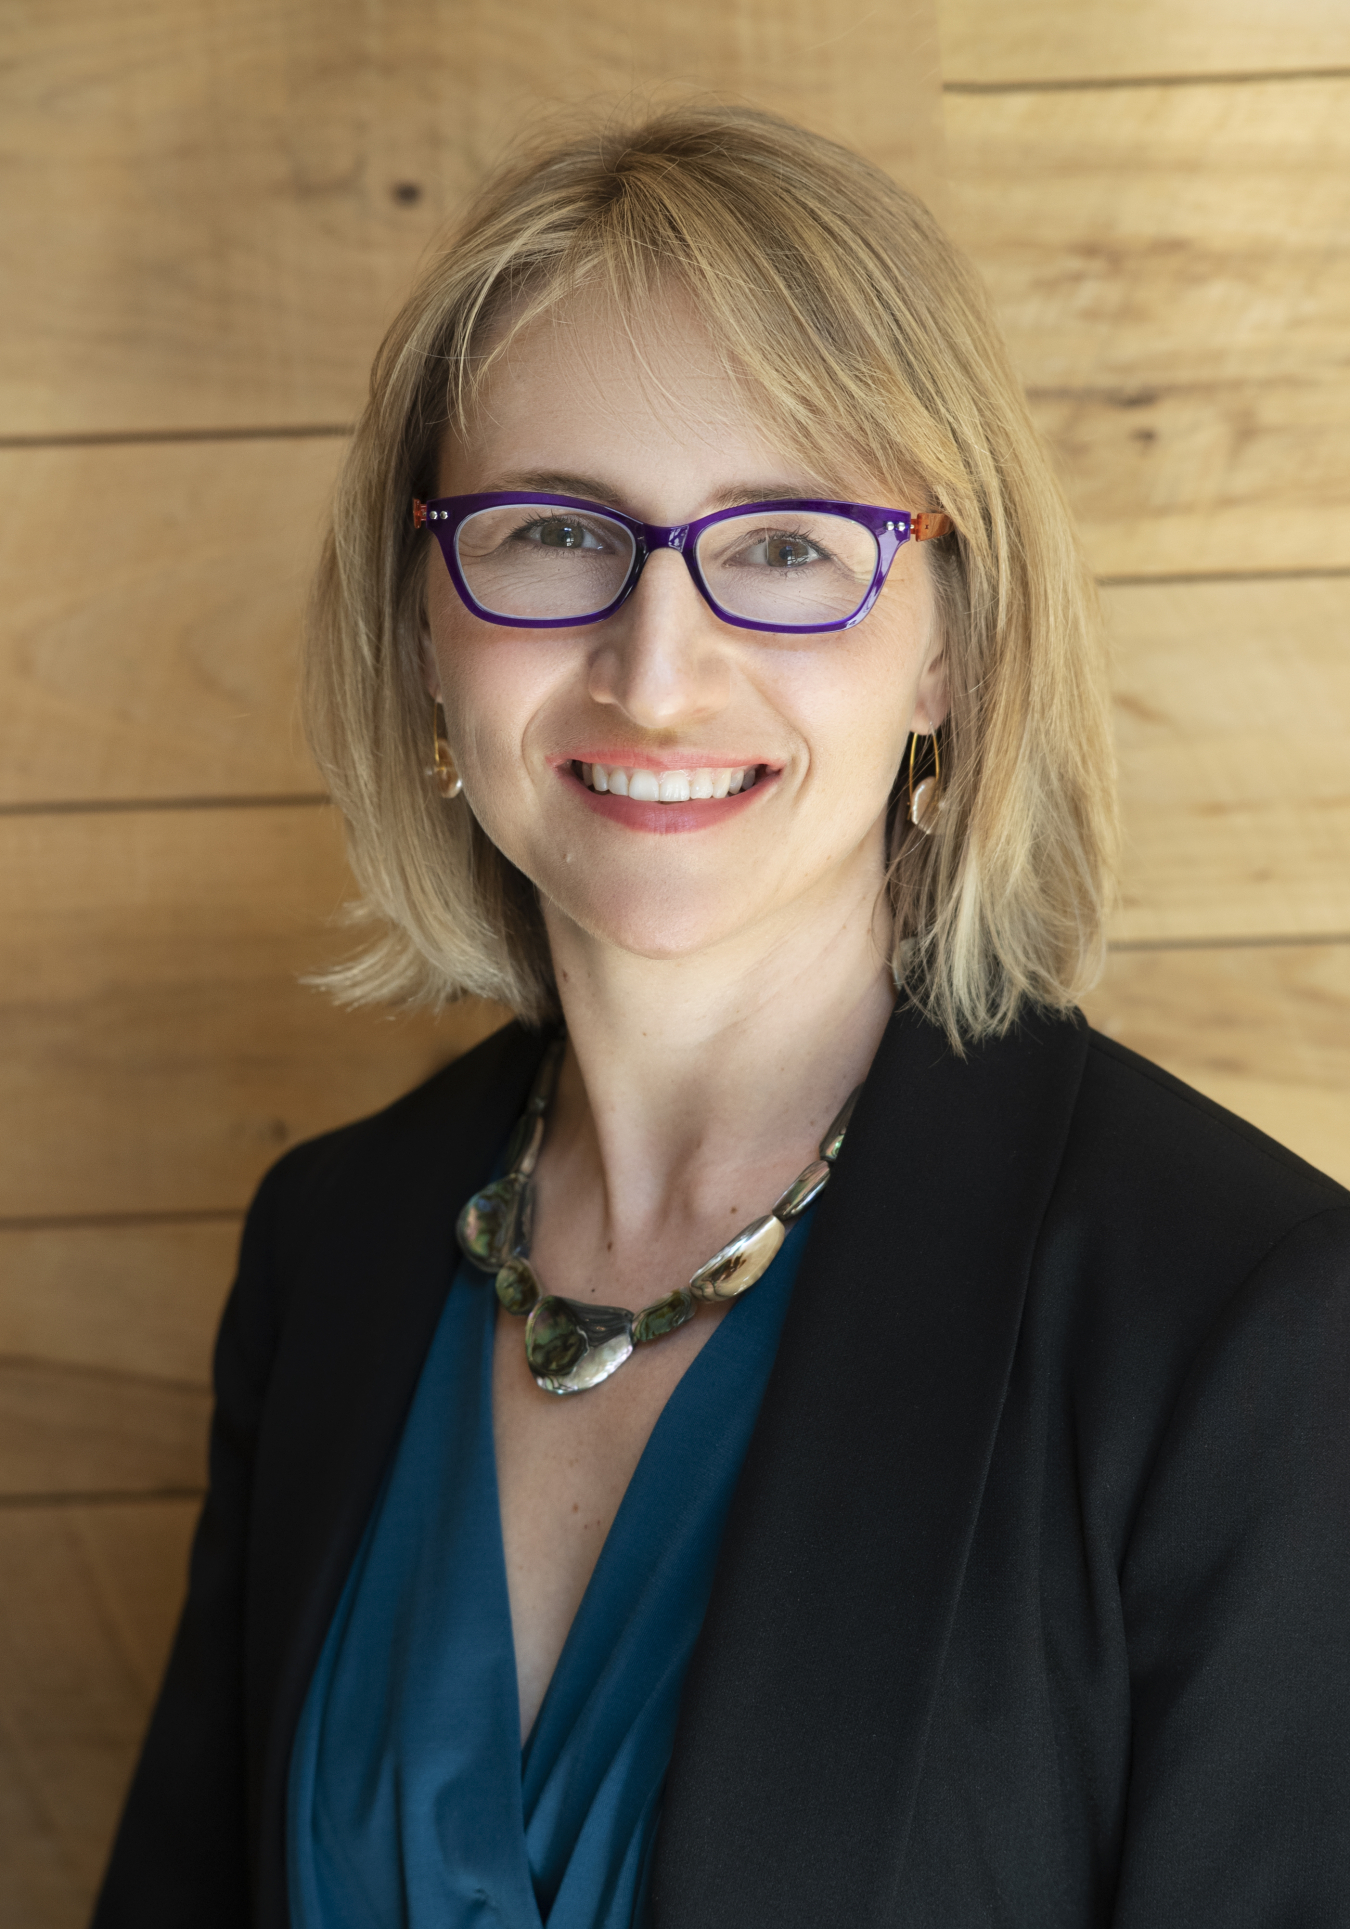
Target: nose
{"points": [[662, 659]]}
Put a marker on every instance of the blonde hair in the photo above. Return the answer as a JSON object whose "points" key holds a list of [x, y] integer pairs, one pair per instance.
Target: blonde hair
{"points": [[799, 257]]}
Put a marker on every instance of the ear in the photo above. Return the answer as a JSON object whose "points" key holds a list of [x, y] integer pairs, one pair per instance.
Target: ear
{"points": [[431, 670], [932, 702]]}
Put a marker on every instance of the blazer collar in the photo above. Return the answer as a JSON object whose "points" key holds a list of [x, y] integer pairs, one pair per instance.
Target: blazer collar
{"points": [[364, 1258], [807, 1705]]}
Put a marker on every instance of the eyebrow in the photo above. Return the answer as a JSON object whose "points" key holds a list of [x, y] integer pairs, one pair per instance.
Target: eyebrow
{"points": [[595, 489]]}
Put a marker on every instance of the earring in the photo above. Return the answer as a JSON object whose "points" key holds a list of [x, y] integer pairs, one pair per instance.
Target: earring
{"points": [[447, 778], [925, 797]]}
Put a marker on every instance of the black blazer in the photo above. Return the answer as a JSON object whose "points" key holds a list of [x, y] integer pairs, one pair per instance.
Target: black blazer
{"points": [[1034, 1605]]}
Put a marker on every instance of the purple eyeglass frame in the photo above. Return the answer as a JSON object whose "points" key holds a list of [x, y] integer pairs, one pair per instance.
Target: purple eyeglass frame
{"points": [[892, 528]]}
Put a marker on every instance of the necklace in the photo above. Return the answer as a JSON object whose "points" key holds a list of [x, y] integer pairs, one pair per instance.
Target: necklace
{"points": [[570, 1345]]}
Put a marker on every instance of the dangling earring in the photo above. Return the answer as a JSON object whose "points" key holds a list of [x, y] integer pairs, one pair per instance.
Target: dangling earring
{"points": [[925, 797], [447, 778]]}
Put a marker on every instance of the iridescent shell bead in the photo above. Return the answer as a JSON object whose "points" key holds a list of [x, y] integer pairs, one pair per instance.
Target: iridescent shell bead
{"points": [[523, 1147], [833, 1140], [664, 1316], [571, 1346], [804, 1190], [546, 1078], [741, 1261], [496, 1223], [517, 1286]]}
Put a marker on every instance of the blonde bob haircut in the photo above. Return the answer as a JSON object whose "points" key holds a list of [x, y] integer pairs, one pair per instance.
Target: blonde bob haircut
{"points": [[864, 343]]}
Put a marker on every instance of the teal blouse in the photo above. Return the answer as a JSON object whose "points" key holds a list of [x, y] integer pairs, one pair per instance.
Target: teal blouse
{"points": [[411, 1804]]}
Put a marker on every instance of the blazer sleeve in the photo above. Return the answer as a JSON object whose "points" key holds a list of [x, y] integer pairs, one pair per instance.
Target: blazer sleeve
{"points": [[1236, 1590], [181, 1853]]}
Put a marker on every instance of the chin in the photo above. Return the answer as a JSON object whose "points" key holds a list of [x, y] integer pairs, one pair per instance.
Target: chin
{"points": [[657, 925]]}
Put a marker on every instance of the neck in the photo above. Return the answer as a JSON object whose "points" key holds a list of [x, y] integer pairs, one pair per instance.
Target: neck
{"points": [[689, 1078]]}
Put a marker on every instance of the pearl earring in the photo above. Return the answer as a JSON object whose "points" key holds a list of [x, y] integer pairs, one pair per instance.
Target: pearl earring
{"points": [[925, 797]]}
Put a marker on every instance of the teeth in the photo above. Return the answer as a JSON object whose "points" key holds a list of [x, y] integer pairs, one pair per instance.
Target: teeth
{"points": [[667, 786]]}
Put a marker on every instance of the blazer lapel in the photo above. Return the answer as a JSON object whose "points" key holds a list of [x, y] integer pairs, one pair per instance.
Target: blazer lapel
{"points": [[808, 1701], [361, 1298]]}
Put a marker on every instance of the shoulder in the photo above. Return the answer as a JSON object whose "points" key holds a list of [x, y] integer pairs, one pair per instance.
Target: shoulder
{"points": [[1144, 1140], [370, 1203], [431, 1139], [1169, 1220]]}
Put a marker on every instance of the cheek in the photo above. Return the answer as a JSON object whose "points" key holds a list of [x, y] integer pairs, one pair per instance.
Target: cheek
{"points": [[891, 666], [854, 712], [498, 686], [482, 678]]}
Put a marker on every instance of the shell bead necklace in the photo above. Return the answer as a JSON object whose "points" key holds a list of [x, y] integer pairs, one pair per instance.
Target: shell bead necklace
{"points": [[570, 1344]]}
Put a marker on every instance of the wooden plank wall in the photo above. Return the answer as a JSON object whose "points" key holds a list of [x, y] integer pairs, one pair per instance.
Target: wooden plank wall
{"points": [[215, 210], [1159, 197]]}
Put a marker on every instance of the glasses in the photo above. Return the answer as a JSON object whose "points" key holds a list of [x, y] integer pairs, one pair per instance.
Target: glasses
{"points": [[550, 562]]}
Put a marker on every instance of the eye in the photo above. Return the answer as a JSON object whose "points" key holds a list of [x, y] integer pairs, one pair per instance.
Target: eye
{"points": [[778, 549], [559, 532]]}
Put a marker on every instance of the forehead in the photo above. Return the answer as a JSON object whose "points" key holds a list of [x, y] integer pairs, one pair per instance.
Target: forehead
{"points": [[586, 369], [643, 399]]}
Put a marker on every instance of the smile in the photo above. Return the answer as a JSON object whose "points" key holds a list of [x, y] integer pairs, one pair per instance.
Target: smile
{"points": [[668, 786], [697, 797]]}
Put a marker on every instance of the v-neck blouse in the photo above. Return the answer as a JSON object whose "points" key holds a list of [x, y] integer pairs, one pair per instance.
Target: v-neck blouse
{"points": [[411, 1804]]}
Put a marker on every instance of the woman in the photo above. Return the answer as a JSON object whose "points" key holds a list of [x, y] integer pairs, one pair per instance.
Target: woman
{"points": [[702, 660]]}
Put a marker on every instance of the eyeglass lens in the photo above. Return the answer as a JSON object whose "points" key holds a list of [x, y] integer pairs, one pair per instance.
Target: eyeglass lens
{"points": [[797, 569]]}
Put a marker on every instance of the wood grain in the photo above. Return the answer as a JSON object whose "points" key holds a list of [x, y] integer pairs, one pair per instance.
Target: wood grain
{"points": [[88, 1601], [154, 1038], [1232, 705], [141, 1299], [214, 212], [67, 1430], [1170, 266], [1042, 40], [1264, 1030], [151, 624]]}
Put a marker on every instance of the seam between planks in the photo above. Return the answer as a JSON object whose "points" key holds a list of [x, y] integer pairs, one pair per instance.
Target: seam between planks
{"points": [[118, 438], [120, 1221], [1240, 943], [1109, 83], [1331, 572], [95, 1497], [20, 1363], [102, 806]]}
